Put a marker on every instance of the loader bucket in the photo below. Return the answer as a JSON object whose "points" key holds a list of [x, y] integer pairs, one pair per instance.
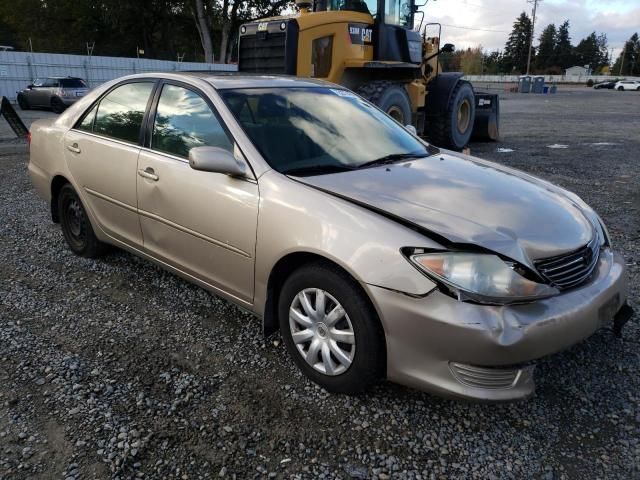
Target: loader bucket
{"points": [[486, 126]]}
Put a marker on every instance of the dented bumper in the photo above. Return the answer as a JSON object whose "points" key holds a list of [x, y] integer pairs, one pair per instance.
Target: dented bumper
{"points": [[484, 352]]}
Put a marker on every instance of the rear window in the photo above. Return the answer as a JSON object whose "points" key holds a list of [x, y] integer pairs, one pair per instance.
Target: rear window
{"points": [[121, 111], [73, 83]]}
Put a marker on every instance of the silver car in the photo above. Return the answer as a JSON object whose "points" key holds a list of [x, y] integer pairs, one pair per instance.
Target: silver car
{"points": [[56, 93], [375, 254]]}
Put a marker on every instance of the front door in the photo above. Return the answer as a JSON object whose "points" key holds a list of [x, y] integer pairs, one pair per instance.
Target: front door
{"points": [[102, 152], [202, 223], [39, 94]]}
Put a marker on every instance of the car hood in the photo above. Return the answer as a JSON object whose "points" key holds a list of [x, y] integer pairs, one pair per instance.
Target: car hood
{"points": [[470, 201]]}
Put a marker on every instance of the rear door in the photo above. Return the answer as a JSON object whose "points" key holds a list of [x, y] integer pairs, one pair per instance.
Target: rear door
{"points": [[102, 154], [203, 223]]}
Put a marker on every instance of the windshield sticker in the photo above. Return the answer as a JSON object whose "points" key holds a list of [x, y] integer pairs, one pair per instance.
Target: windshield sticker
{"points": [[344, 93]]}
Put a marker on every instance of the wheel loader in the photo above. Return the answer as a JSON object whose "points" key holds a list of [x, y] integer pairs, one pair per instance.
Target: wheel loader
{"points": [[372, 48]]}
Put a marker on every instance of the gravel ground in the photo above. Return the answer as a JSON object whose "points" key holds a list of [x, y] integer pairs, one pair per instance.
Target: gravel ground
{"points": [[115, 368]]}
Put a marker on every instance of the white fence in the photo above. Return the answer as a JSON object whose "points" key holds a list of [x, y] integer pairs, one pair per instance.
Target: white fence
{"points": [[580, 79], [18, 69]]}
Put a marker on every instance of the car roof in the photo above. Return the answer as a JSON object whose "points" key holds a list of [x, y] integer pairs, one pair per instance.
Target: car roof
{"points": [[228, 80]]}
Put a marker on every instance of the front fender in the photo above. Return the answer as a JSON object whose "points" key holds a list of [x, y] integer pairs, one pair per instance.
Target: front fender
{"points": [[295, 218]]}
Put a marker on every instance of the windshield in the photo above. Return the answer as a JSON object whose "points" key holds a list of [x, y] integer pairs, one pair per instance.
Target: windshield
{"points": [[319, 130], [72, 83], [398, 12], [362, 6]]}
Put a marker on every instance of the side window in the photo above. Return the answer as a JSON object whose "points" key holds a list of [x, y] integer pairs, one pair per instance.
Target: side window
{"points": [[120, 112], [184, 121], [87, 122]]}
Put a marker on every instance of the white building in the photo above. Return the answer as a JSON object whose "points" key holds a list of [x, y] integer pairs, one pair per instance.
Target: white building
{"points": [[577, 71]]}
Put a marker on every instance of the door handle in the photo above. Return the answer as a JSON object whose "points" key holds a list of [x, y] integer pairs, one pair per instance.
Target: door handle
{"points": [[148, 173], [73, 148]]}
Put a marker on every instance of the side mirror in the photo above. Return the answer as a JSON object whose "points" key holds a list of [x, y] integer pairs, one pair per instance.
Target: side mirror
{"points": [[448, 48], [411, 129], [217, 160]]}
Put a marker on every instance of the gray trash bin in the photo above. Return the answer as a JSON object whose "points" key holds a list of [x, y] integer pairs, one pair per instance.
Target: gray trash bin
{"points": [[553, 89], [538, 84], [524, 84]]}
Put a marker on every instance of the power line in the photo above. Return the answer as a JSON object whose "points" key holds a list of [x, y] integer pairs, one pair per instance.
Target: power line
{"points": [[473, 28]]}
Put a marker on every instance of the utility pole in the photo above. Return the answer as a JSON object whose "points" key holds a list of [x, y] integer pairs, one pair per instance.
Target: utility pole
{"points": [[533, 27], [624, 49]]}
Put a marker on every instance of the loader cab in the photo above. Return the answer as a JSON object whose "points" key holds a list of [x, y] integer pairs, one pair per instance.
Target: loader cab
{"points": [[394, 39]]}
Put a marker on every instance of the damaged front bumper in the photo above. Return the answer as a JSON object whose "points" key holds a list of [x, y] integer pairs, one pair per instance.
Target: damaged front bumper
{"points": [[483, 352]]}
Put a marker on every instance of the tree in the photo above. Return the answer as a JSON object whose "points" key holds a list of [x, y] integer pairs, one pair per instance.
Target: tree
{"points": [[162, 28], [472, 61], [493, 62], [563, 50], [203, 30], [592, 51], [546, 56], [517, 48], [629, 58]]}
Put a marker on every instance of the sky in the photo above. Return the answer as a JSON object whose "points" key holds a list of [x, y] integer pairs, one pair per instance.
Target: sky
{"points": [[489, 22]]}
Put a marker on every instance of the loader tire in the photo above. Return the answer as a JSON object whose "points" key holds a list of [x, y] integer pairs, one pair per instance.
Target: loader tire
{"points": [[389, 97], [452, 128]]}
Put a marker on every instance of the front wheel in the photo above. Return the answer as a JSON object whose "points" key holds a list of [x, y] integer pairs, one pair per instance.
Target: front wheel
{"points": [[452, 128], [76, 227], [620, 89], [330, 329]]}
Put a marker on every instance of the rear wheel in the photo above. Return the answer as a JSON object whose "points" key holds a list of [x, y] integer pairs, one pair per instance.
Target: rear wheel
{"points": [[56, 105], [23, 103], [330, 329], [620, 89], [76, 227], [390, 97], [453, 127]]}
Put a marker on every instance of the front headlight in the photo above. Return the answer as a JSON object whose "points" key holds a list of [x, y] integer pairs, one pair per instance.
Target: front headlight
{"points": [[480, 277]]}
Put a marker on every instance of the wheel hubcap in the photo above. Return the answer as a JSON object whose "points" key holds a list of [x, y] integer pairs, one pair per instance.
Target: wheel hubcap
{"points": [[322, 331], [74, 215], [464, 116]]}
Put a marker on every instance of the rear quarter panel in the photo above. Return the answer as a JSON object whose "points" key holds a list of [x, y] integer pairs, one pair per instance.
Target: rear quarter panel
{"points": [[46, 155]]}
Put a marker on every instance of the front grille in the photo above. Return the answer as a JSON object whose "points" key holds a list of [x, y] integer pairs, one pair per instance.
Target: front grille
{"points": [[570, 270], [263, 52], [485, 377]]}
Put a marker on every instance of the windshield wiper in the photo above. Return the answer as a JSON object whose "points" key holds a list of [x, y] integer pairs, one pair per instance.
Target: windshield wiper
{"points": [[316, 170], [392, 158]]}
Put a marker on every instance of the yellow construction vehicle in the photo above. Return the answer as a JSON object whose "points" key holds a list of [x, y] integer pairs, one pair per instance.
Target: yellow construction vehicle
{"points": [[371, 47]]}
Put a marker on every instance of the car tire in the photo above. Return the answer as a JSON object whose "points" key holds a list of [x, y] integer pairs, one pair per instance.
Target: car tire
{"points": [[391, 98], [638, 89], [23, 103], [57, 106], [76, 227], [338, 367], [620, 89]]}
